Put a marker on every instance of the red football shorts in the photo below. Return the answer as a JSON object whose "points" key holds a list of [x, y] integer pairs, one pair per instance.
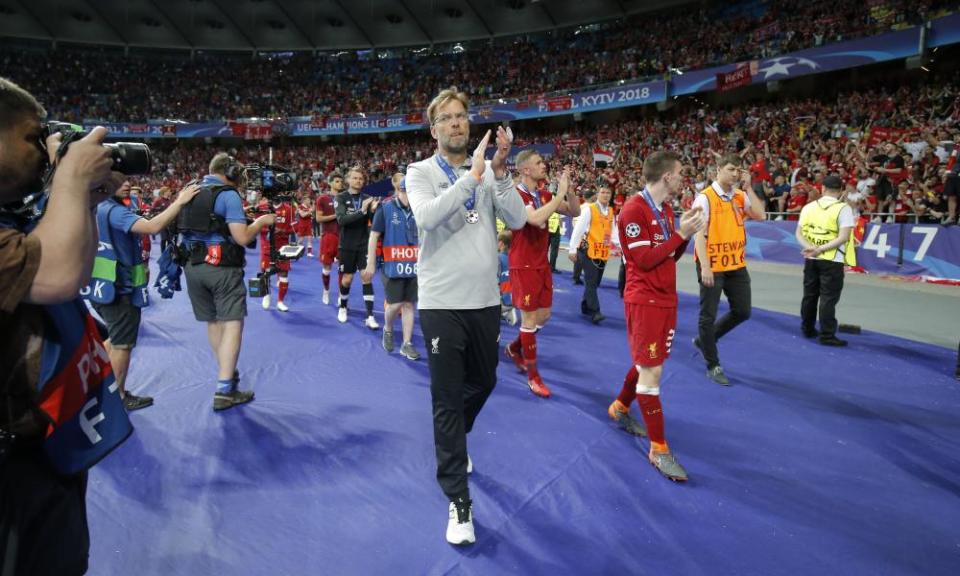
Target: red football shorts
{"points": [[280, 240], [304, 227], [532, 288], [328, 248], [650, 330], [282, 265]]}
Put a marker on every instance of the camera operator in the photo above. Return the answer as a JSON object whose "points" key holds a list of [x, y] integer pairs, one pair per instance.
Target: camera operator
{"points": [[118, 289], [215, 256], [45, 258]]}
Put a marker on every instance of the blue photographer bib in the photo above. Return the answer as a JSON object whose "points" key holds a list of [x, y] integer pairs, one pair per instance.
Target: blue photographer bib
{"points": [[400, 248]]}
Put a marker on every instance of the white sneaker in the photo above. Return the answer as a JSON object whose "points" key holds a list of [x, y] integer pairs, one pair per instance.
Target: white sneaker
{"points": [[460, 529], [469, 465], [342, 315], [326, 296], [371, 323], [778, 219], [282, 307], [266, 302]]}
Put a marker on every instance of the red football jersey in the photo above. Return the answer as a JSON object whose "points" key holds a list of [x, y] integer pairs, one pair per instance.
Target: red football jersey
{"points": [[286, 217], [528, 249], [325, 208], [651, 253], [796, 203]]}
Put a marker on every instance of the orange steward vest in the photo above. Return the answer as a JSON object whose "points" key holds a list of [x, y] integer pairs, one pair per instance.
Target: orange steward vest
{"points": [[726, 234]]}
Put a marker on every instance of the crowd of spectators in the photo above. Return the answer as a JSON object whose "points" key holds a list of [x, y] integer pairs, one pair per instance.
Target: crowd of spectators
{"points": [[895, 147], [78, 84]]}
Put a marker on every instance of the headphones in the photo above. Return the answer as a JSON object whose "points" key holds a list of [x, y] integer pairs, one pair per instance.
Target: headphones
{"points": [[234, 170]]}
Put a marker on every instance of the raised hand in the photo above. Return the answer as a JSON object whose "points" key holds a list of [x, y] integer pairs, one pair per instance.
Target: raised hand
{"points": [[564, 186], [504, 143], [88, 161], [691, 222], [187, 194], [480, 158]]}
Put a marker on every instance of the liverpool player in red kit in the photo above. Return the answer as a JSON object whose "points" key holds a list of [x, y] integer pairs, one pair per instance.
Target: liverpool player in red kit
{"points": [[651, 246], [529, 268], [329, 229], [281, 231]]}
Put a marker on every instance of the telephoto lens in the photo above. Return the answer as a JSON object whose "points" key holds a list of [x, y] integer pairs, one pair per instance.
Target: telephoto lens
{"points": [[130, 158]]}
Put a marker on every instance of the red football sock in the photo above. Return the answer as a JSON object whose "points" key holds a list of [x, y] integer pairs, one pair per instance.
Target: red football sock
{"points": [[283, 289], [528, 343], [326, 281], [516, 346], [629, 391], [652, 412]]}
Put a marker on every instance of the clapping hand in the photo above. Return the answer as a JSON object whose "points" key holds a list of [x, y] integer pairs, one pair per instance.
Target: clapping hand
{"points": [[504, 143], [480, 158], [691, 222], [565, 180]]}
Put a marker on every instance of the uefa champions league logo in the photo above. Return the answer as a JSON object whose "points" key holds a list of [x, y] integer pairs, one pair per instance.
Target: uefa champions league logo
{"points": [[781, 66]]}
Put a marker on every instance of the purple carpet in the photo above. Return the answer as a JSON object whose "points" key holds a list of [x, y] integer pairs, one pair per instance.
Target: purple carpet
{"points": [[815, 460]]}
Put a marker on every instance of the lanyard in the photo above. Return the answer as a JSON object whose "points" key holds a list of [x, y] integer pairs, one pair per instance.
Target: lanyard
{"points": [[409, 232], [452, 176], [356, 201], [536, 197], [657, 214]]}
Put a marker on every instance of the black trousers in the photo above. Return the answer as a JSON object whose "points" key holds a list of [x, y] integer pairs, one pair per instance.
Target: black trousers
{"points": [[554, 249], [592, 273], [462, 348], [735, 285], [43, 517], [577, 270], [822, 284]]}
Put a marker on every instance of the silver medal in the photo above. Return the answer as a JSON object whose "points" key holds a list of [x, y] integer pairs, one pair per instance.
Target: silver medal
{"points": [[472, 216]]}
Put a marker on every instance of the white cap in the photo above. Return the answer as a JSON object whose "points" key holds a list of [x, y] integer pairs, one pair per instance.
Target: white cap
{"points": [[864, 184]]}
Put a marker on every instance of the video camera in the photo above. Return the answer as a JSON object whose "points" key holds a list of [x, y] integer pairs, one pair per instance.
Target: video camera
{"points": [[272, 182], [275, 184], [130, 158]]}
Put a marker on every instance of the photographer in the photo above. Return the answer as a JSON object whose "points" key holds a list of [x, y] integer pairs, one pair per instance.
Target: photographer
{"points": [[215, 256], [118, 289], [394, 223], [46, 253]]}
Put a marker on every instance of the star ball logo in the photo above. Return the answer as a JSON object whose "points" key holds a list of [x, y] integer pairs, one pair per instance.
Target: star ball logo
{"points": [[781, 66]]}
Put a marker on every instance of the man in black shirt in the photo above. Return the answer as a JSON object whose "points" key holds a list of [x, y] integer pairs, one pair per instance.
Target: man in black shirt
{"points": [[888, 167], [354, 213]]}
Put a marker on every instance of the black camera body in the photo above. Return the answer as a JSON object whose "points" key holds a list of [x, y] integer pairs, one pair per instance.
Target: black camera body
{"points": [[130, 158], [272, 182]]}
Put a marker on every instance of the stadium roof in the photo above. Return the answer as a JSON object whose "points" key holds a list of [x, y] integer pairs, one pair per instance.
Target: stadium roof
{"points": [[279, 25]]}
